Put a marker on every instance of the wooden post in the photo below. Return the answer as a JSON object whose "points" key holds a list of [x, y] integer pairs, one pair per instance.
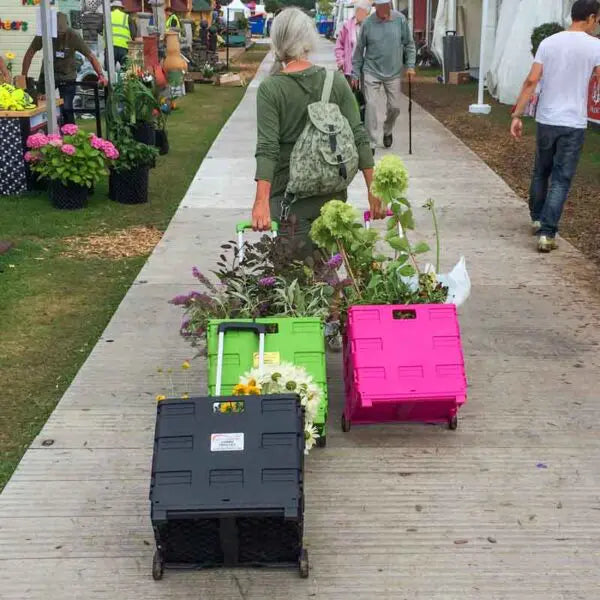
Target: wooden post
{"points": [[48, 52]]}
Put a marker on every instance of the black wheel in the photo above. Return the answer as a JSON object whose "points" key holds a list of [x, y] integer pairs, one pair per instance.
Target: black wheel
{"points": [[303, 565], [453, 423], [321, 441], [158, 566], [346, 424]]}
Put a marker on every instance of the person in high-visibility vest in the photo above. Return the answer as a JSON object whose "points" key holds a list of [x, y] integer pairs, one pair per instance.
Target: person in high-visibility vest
{"points": [[173, 21], [123, 31]]}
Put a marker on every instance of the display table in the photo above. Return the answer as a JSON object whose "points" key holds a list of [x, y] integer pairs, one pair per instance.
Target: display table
{"points": [[15, 127]]}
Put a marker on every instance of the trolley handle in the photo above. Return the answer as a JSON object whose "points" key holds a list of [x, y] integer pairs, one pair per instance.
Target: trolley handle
{"points": [[240, 228], [388, 213], [259, 328]]}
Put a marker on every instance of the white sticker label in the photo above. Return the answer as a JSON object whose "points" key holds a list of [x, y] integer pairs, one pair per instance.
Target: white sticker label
{"points": [[226, 442]]}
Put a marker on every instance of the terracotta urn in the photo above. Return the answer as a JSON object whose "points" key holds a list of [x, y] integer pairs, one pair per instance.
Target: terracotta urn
{"points": [[173, 60]]}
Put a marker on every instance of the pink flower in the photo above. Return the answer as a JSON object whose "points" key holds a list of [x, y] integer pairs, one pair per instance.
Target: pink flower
{"points": [[97, 142], [68, 149], [31, 156], [109, 150], [53, 137], [56, 142], [37, 140], [69, 129]]}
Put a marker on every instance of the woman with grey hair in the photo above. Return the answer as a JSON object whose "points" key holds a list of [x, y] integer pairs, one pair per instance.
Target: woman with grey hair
{"points": [[282, 101]]}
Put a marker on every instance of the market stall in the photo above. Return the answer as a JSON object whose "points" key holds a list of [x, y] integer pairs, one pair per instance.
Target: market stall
{"points": [[15, 127]]}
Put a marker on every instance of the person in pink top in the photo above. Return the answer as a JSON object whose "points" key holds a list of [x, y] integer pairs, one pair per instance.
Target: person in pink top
{"points": [[346, 40], [345, 44]]}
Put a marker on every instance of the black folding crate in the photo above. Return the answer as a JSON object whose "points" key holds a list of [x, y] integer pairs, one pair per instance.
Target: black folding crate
{"points": [[227, 487]]}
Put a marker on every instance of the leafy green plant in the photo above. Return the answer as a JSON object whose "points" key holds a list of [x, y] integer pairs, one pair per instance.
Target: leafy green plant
{"points": [[75, 157], [132, 154], [542, 32], [132, 101], [208, 71]]}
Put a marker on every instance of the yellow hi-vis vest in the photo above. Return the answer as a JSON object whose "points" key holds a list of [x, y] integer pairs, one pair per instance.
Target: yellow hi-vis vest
{"points": [[120, 29]]}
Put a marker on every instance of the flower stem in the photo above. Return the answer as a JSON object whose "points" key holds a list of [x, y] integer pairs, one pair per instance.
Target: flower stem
{"points": [[348, 267], [437, 236]]}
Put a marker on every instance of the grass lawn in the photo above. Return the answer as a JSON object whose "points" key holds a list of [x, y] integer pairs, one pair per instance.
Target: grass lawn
{"points": [[489, 137], [55, 303]]}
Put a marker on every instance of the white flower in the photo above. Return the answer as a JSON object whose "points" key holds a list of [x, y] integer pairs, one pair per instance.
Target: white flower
{"points": [[287, 378]]}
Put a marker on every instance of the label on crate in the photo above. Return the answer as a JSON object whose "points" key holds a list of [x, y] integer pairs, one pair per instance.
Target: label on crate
{"points": [[271, 358], [226, 442]]}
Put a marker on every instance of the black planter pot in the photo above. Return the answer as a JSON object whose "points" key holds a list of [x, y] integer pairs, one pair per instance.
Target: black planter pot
{"points": [[145, 133], [162, 141], [67, 197], [111, 184], [130, 187]]}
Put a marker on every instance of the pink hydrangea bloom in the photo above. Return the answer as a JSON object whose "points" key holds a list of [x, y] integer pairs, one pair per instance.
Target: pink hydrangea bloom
{"points": [[97, 142], [110, 151], [37, 140], [68, 149], [55, 142], [31, 156], [69, 129], [54, 137]]}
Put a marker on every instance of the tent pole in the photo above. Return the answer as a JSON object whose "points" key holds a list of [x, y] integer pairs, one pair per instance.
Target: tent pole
{"points": [[48, 52], [481, 108], [451, 16], [411, 16], [108, 42], [428, 24]]}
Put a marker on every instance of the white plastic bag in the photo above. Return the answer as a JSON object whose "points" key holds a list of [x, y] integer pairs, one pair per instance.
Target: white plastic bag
{"points": [[457, 282]]}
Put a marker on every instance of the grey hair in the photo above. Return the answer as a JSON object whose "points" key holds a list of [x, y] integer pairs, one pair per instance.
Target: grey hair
{"points": [[364, 4], [293, 36]]}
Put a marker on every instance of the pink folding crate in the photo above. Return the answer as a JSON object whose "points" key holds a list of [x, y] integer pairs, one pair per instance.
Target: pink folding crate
{"points": [[403, 363]]}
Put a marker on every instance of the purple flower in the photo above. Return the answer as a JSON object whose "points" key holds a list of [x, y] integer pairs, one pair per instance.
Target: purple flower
{"points": [[180, 300], [69, 129], [203, 279], [184, 328], [68, 149], [267, 281], [335, 262]]}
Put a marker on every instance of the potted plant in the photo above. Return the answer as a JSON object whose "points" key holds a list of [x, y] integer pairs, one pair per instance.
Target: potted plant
{"points": [[133, 101], [208, 73], [130, 172], [72, 163]]}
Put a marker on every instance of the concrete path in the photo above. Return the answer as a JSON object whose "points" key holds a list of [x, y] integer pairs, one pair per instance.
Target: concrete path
{"points": [[506, 508]]}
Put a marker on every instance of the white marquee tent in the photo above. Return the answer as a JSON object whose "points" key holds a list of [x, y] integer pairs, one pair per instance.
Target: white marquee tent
{"points": [[234, 8], [507, 54]]}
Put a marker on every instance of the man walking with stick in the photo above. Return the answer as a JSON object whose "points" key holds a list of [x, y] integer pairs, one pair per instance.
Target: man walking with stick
{"points": [[384, 44]]}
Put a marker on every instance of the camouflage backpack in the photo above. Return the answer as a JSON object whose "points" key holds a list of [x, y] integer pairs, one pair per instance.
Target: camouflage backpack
{"points": [[324, 159]]}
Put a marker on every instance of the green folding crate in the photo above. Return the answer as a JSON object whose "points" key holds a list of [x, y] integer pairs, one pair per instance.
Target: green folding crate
{"points": [[299, 341]]}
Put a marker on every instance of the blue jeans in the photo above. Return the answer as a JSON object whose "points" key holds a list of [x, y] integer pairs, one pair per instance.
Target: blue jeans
{"points": [[557, 154]]}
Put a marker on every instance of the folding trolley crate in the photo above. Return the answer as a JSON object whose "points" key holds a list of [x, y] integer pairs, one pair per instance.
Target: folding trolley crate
{"points": [[227, 487]]}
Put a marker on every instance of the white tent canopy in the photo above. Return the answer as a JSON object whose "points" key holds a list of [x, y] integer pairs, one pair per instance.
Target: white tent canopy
{"points": [[234, 8], [507, 56]]}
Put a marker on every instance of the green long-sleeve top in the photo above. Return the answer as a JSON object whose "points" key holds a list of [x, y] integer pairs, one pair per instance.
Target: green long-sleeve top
{"points": [[281, 104], [383, 46]]}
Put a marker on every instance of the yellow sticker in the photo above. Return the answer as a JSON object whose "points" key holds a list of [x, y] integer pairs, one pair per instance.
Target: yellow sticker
{"points": [[271, 358]]}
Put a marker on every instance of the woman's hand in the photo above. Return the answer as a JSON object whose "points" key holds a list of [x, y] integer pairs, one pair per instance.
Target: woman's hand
{"points": [[261, 211], [376, 208]]}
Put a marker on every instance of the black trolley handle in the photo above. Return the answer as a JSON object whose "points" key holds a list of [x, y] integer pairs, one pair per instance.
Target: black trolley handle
{"points": [[258, 328]]}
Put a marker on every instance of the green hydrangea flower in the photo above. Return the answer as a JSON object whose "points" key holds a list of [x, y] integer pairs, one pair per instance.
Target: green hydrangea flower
{"points": [[390, 179]]}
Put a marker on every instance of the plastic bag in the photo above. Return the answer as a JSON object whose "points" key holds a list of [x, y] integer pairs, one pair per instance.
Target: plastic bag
{"points": [[457, 282]]}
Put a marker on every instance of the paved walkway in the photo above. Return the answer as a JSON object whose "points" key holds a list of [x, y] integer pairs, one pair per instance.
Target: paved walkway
{"points": [[506, 508]]}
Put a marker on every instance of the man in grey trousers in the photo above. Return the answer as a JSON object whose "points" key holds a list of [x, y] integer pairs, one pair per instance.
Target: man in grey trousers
{"points": [[383, 44]]}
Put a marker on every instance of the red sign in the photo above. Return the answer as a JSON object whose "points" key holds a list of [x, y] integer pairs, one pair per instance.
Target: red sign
{"points": [[594, 100]]}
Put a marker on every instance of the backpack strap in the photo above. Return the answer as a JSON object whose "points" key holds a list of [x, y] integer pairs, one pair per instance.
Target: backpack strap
{"points": [[327, 86]]}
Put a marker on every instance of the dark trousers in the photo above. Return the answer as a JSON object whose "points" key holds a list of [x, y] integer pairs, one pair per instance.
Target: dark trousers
{"points": [[67, 93], [120, 55], [557, 154]]}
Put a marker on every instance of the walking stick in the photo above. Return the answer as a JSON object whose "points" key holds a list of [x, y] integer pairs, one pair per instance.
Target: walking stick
{"points": [[410, 103]]}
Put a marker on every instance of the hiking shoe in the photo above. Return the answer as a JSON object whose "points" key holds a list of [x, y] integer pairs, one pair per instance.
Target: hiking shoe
{"points": [[546, 244], [388, 140], [535, 227]]}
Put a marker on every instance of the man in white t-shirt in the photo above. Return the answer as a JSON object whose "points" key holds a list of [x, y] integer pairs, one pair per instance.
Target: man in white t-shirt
{"points": [[567, 61]]}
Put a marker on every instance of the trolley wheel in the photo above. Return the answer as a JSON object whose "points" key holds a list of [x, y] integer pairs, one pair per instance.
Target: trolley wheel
{"points": [[453, 423], [158, 566], [346, 424], [303, 565], [321, 441]]}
